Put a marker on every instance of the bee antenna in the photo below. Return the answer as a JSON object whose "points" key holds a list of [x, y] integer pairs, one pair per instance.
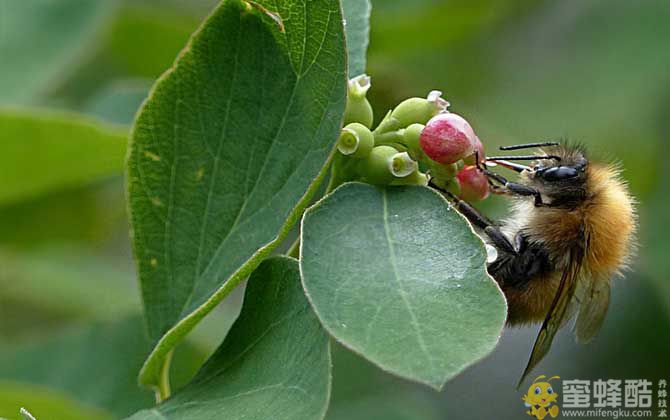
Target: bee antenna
{"points": [[529, 145], [529, 157], [510, 165]]}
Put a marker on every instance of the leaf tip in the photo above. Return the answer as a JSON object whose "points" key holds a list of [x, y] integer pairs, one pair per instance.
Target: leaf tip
{"points": [[273, 15]]}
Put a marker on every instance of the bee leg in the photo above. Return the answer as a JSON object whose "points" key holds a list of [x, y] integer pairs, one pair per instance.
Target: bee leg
{"points": [[492, 231], [517, 270], [516, 189], [520, 243], [497, 189], [523, 190], [499, 239], [477, 219]]}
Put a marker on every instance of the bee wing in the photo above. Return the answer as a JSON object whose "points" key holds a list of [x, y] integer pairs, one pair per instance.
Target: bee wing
{"points": [[576, 302], [557, 313], [592, 310]]}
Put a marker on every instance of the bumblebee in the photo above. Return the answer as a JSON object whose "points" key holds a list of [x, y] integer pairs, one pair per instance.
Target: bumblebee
{"points": [[571, 230]]}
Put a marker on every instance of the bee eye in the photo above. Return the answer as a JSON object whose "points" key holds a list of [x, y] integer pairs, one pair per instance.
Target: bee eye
{"points": [[537, 390], [559, 173], [550, 391]]}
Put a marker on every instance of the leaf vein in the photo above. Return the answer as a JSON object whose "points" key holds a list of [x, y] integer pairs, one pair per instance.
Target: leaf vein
{"points": [[401, 290]]}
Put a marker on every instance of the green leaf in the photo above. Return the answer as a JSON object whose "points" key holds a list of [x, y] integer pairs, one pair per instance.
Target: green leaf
{"points": [[357, 27], [391, 405], [46, 151], [43, 403], [227, 152], [95, 364], [274, 363], [361, 391], [40, 41], [89, 216], [69, 282], [398, 276]]}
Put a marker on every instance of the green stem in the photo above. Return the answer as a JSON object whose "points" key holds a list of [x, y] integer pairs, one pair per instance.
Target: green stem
{"points": [[387, 124], [294, 250], [389, 137], [338, 165], [333, 181], [344, 169], [163, 390]]}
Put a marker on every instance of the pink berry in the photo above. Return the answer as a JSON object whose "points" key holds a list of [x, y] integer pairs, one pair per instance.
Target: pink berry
{"points": [[447, 138], [474, 185], [479, 147]]}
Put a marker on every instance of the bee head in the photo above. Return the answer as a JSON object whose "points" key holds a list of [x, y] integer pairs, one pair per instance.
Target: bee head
{"points": [[563, 176]]}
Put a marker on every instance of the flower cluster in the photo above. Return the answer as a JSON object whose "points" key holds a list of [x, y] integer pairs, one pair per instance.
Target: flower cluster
{"points": [[417, 141]]}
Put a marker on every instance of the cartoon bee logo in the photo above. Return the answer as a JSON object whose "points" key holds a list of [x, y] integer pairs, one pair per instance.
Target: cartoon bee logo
{"points": [[541, 399]]}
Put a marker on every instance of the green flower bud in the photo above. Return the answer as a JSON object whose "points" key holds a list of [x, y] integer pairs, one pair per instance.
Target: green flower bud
{"points": [[356, 141], [358, 109], [452, 185], [419, 110], [415, 178], [386, 124], [401, 165], [375, 168], [389, 138], [442, 172], [411, 136], [358, 86]]}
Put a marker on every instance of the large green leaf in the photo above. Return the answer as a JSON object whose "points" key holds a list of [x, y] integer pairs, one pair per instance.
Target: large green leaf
{"points": [[45, 151], [361, 391], [41, 39], [69, 282], [357, 27], [227, 152], [274, 363], [94, 365], [389, 405], [398, 276], [43, 403]]}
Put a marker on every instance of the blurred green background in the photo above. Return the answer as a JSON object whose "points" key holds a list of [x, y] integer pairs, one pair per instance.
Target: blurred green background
{"points": [[71, 335]]}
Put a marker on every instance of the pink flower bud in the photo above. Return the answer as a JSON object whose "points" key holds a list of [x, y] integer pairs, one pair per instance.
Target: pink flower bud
{"points": [[447, 138], [474, 185], [479, 147]]}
